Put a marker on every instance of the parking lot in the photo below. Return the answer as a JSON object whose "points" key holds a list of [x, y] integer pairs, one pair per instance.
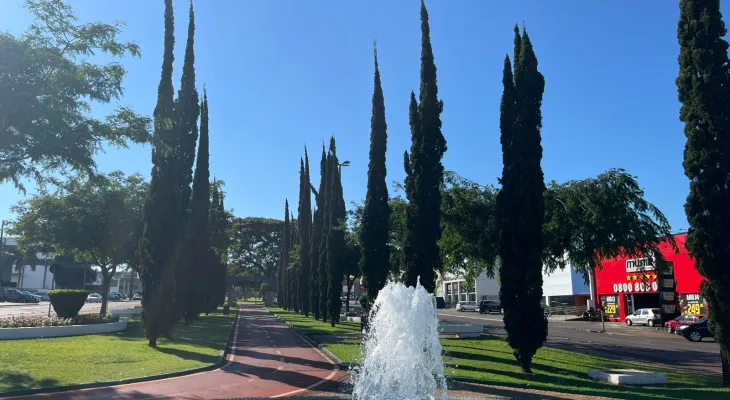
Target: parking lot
{"points": [[10, 309]]}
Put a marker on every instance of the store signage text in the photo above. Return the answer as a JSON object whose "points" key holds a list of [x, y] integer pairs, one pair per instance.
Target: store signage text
{"points": [[635, 287], [639, 265]]}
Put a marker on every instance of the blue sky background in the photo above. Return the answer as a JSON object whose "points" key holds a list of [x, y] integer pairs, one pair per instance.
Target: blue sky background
{"points": [[289, 73]]}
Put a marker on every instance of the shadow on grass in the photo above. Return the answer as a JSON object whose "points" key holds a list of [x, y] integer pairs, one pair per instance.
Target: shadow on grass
{"points": [[22, 380], [552, 378]]}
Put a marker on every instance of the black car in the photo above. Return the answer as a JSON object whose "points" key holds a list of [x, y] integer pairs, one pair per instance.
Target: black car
{"points": [[695, 332], [488, 306], [16, 296]]}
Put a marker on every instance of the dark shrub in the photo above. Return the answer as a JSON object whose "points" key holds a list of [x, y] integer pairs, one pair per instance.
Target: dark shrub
{"points": [[67, 302], [364, 302], [265, 287]]}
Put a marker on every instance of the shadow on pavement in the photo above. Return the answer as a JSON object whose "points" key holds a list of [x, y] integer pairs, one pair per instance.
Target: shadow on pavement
{"points": [[289, 360]]}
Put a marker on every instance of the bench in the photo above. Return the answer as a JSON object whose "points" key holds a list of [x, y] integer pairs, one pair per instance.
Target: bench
{"points": [[461, 331]]}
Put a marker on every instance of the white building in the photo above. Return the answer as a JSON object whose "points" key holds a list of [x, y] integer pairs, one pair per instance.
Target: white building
{"points": [[35, 276], [565, 287], [454, 288]]}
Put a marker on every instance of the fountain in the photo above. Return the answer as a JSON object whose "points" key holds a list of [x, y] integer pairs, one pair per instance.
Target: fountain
{"points": [[401, 352]]}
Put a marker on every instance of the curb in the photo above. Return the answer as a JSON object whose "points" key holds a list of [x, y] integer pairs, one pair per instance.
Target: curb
{"points": [[94, 385]]}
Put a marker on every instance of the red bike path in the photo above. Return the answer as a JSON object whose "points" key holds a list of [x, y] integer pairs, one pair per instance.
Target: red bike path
{"points": [[267, 359]]}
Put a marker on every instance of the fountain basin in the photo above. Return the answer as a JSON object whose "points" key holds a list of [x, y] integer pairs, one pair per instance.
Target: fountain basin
{"points": [[462, 331]]}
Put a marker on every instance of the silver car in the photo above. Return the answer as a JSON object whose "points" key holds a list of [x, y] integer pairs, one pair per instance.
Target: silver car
{"points": [[466, 306], [644, 316]]}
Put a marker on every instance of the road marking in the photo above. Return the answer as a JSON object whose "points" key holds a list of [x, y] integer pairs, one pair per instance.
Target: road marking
{"points": [[232, 355], [278, 352], [280, 368], [334, 372]]}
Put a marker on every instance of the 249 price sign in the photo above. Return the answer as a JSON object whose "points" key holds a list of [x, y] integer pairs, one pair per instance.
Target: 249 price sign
{"points": [[692, 304]]}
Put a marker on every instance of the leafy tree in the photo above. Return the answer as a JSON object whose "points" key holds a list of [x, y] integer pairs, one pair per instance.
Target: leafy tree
{"points": [[351, 263], [49, 86], [336, 245], [326, 195], [284, 260], [703, 91], [255, 246], [374, 233], [92, 219], [424, 173], [195, 266], [157, 248], [317, 236], [305, 230], [219, 228], [520, 204]]}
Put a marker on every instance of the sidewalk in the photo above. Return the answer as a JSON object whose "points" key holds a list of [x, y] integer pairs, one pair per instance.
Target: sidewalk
{"points": [[14, 304]]}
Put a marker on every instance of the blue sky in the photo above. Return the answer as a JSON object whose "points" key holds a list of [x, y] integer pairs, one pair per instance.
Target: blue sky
{"points": [[285, 74]]}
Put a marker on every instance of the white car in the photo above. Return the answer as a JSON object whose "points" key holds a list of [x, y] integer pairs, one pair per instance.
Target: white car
{"points": [[466, 306], [645, 316], [93, 298]]}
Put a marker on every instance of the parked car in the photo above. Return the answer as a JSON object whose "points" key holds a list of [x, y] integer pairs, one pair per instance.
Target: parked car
{"points": [[695, 332], [671, 326], [93, 298], [115, 297], [644, 316], [18, 296], [36, 298], [137, 297], [466, 306], [488, 306]]}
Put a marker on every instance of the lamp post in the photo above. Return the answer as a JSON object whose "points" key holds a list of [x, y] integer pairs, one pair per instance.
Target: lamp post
{"points": [[343, 164]]}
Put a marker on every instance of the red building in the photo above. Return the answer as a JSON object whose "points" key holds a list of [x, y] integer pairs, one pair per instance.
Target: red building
{"points": [[625, 285]]}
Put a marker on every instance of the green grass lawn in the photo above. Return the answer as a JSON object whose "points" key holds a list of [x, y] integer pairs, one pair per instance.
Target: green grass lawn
{"points": [[490, 361], [38, 363], [311, 326]]}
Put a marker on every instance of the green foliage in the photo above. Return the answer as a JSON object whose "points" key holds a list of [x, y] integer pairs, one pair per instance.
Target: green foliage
{"points": [[376, 212], [336, 246], [158, 246], [49, 85], [284, 260], [364, 301], [325, 209], [265, 288], [424, 173], [317, 238], [305, 230], [219, 233], [67, 302], [194, 265], [94, 219], [703, 91], [255, 246]]}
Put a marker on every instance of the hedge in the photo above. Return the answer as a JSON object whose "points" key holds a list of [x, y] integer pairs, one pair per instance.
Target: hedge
{"points": [[68, 302]]}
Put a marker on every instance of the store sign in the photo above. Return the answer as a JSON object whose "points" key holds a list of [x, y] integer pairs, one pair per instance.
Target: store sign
{"points": [[611, 306], [692, 304], [639, 265]]}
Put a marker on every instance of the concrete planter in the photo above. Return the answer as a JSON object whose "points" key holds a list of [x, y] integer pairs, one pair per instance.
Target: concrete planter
{"points": [[127, 312], [58, 331]]}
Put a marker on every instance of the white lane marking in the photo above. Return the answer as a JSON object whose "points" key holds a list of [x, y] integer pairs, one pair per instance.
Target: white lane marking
{"points": [[334, 372], [232, 355], [278, 352]]}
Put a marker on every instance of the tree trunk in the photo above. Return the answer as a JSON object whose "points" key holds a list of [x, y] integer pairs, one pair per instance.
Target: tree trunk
{"points": [[725, 360], [106, 281], [349, 291]]}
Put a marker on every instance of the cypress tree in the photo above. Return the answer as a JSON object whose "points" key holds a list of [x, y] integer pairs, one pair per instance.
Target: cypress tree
{"points": [[305, 230], [197, 232], [161, 215], [326, 226], [294, 267], [376, 213], [283, 262], [335, 239], [314, 279], [427, 173], [220, 242], [703, 86], [520, 204]]}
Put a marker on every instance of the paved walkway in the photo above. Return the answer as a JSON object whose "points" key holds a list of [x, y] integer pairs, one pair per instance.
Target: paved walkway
{"points": [[268, 359]]}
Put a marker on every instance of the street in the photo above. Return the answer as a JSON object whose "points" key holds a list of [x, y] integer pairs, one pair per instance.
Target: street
{"points": [[634, 344], [42, 308]]}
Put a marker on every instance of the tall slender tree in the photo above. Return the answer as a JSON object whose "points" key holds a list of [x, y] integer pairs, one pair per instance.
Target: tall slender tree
{"points": [[161, 214], [305, 230], [218, 227], [187, 111], [374, 263], [284, 260], [704, 92], [520, 203], [198, 243], [426, 172], [326, 226], [336, 244], [317, 235]]}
